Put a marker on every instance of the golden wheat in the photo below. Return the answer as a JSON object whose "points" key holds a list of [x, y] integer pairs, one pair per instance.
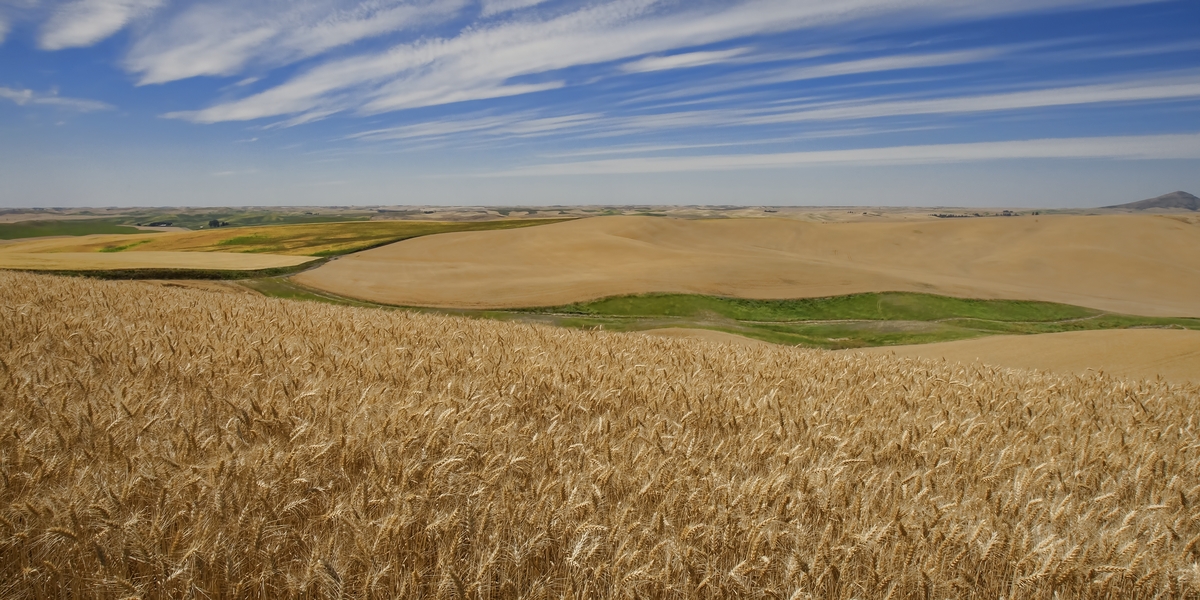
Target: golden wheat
{"points": [[177, 443]]}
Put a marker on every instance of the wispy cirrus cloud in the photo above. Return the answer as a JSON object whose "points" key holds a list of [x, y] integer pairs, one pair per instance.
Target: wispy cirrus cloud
{"points": [[82, 23], [682, 61], [840, 114], [1130, 91], [1185, 146], [483, 62], [222, 37], [508, 126], [496, 7], [27, 97]]}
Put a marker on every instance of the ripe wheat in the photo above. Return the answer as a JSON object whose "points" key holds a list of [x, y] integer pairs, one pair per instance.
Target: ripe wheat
{"points": [[170, 442]]}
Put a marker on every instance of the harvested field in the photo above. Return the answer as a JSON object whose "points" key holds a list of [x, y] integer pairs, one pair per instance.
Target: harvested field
{"points": [[164, 442], [95, 261], [1144, 265], [1140, 353]]}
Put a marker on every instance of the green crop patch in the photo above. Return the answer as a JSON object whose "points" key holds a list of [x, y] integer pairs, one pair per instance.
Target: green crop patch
{"points": [[887, 306], [34, 229]]}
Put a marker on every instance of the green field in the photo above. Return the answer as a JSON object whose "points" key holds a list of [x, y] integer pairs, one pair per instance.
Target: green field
{"points": [[890, 306], [854, 321], [32, 229]]}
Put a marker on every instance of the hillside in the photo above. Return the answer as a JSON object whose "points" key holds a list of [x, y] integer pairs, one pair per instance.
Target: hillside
{"points": [[1174, 200], [169, 442], [1144, 265]]}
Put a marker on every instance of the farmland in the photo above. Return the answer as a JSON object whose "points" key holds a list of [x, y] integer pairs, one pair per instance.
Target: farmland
{"points": [[839, 322], [168, 441], [1140, 265], [33, 229], [320, 239], [1142, 353], [207, 264], [224, 252], [193, 218]]}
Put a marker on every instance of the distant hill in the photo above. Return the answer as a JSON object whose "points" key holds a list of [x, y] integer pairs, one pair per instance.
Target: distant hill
{"points": [[1182, 200]]}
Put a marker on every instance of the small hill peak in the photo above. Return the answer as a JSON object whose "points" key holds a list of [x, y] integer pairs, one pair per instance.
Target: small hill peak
{"points": [[1174, 200]]}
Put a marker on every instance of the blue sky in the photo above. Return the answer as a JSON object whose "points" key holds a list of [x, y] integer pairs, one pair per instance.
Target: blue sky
{"points": [[1029, 103]]}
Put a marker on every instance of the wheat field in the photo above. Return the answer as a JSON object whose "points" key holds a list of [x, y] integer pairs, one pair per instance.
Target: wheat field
{"points": [[170, 443]]}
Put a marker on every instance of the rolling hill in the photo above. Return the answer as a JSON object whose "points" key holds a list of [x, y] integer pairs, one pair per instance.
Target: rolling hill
{"points": [[1133, 264]]}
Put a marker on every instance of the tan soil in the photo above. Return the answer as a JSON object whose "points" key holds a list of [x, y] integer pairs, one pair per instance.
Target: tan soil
{"points": [[1148, 265], [1138, 353]]}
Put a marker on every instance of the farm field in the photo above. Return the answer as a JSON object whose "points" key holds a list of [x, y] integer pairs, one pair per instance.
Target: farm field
{"points": [[33, 229], [857, 320], [187, 218], [166, 441], [134, 261], [319, 239], [1137, 353], [854, 321], [1143, 265]]}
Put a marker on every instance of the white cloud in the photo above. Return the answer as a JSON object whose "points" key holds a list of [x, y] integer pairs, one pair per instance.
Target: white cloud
{"points": [[883, 63], [4, 28], [851, 110], [879, 64], [510, 125], [812, 135], [599, 125], [1186, 146], [86, 22], [482, 61], [28, 97], [682, 61], [495, 7], [221, 37], [1065, 96]]}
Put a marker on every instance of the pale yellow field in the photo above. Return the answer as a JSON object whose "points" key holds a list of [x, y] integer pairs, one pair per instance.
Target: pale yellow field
{"points": [[94, 261], [1137, 353], [1147, 265]]}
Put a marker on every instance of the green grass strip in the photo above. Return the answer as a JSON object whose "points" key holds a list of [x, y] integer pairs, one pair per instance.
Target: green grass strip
{"points": [[32, 229], [885, 306]]}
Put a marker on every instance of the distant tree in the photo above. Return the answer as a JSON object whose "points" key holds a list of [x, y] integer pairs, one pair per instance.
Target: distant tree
{"points": [[214, 223]]}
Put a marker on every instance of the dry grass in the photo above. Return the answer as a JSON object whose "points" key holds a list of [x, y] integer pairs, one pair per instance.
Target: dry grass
{"points": [[178, 443]]}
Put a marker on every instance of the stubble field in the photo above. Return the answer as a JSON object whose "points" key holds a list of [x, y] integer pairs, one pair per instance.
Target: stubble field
{"points": [[168, 442]]}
